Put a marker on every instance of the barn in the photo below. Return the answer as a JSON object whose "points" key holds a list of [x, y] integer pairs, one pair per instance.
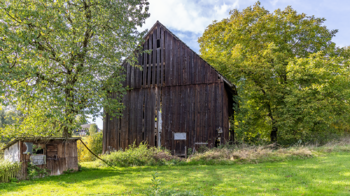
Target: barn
{"points": [[177, 101], [55, 155]]}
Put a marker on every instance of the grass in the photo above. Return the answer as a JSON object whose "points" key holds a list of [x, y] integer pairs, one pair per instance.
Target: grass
{"points": [[323, 175]]}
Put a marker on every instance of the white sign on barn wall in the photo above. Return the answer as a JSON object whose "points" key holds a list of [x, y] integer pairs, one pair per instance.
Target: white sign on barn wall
{"points": [[179, 136], [11, 154]]}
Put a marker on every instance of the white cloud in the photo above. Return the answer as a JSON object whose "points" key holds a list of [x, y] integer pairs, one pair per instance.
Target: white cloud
{"points": [[188, 16]]}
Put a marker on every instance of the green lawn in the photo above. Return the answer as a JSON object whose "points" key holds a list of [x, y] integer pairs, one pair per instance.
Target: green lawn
{"points": [[329, 175]]}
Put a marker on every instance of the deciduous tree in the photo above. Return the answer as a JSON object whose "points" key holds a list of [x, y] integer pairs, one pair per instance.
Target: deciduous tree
{"points": [[266, 55], [60, 59]]}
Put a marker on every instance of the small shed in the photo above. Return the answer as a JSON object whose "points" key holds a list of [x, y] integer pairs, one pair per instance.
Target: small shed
{"points": [[54, 154]]}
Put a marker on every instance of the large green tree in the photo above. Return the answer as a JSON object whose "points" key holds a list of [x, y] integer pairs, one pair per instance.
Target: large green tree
{"points": [[266, 54], [60, 59]]}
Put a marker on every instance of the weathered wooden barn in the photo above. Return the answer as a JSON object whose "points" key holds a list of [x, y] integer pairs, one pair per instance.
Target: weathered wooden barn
{"points": [[176, 101], [54, 154]]}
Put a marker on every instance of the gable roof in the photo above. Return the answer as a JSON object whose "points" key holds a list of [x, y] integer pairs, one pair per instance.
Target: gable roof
{"points": [[232, 86]]}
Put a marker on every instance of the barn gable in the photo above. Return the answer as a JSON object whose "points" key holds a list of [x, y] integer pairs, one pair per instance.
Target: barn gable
{"points": [[176, 93], [184, 66]]}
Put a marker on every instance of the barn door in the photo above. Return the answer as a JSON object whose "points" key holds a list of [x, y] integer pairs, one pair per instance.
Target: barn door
{"points": [[180, 144]]}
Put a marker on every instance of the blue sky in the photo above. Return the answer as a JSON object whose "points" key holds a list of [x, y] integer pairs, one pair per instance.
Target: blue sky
{"points": [[188, 19]]}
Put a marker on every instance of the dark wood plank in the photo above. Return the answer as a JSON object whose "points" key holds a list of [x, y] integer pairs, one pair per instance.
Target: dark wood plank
{"points": [[205, 113], [127, 129], [187, 114], [167, 46], [211, 114], [174, 65], [159, 64], [218, 107], [138, 71], [154, 60], [225, 115], [197, 113], [146, 114], [158, 31], [152, 118], [191, 68], [144, 65], [164, 115], [202, 112], [131, 117], [128, 74], [181, 63], [196, 69], [162, 59], [132, 76], [188, 66], [149, 77], [139, 113]]}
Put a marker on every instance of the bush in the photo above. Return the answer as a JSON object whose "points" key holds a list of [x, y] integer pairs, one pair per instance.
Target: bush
{"points": [[139, 156], [8, 170], [94, 143]]}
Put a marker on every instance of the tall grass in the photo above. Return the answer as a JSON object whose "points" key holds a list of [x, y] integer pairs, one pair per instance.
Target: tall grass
{"points": [[230, 154], [249, 154], [8, 170], [138, 156]]}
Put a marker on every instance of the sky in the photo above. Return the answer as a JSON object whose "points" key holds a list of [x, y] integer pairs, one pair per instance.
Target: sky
{"points": [[187, 19]]}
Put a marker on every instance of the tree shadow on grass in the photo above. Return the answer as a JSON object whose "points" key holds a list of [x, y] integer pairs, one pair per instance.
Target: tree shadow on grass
{"points": [[318, 176]]}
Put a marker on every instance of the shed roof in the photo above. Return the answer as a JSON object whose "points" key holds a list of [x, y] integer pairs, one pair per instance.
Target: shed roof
{"points": [[37, 139]]}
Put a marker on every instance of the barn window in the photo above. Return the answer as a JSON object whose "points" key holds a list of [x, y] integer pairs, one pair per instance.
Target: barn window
{"points": [[39, 151], [158, 43]]}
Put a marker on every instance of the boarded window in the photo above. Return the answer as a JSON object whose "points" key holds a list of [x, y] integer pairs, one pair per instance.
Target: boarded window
{"points": [[29, 148]]}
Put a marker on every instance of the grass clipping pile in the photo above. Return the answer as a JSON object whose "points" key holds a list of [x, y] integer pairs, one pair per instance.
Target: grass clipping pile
{"points": [[143, 155]]}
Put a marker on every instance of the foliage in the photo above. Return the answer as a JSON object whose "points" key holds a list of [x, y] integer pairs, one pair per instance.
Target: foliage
{"points": [[93, 129], [36, 172], [94, 143], [9, 116], [60, 59], [287, 71], [138, 156], [8, 170]]}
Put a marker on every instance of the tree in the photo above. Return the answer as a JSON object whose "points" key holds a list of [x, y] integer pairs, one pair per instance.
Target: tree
{"points": [[256, 49], [93, 129], [62, 58]]}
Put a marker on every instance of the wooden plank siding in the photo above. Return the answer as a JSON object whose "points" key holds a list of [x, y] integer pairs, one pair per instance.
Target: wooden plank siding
{"points": [[190, 94]]}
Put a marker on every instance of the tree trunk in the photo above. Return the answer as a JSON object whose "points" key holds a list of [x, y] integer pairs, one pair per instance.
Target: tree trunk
{"points": [[273, 135], [66, 133]]}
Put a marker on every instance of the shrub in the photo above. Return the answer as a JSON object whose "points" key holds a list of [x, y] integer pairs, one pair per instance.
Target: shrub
{"points": [[8, 170], [138, 156], [94, 143]]}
